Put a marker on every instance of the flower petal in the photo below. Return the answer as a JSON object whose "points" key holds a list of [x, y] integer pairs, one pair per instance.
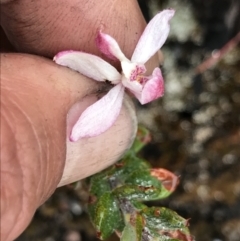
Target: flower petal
{"points": [[89, 65], [153, 88], [153, 37], [133, 86], [109, 46], [100, 116]]}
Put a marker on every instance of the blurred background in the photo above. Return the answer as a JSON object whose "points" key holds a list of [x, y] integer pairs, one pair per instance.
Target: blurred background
{"points": [[195, 127]]}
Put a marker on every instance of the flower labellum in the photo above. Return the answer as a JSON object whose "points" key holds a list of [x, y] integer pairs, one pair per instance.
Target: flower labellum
{"points": [[100, 116]]}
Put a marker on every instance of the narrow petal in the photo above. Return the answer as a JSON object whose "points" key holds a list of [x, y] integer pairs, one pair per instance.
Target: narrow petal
{"points": [[89, 65], [153, 88], [100, 116], [153, 37], [109, 46]]}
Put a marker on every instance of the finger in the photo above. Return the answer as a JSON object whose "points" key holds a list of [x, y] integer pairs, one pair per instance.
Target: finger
{"points": [[46, 27], [70, 24], [36, 96]]}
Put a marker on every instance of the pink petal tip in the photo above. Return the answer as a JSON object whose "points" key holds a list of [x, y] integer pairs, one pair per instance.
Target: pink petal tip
{"points": [[109, 46], [153, 88]]}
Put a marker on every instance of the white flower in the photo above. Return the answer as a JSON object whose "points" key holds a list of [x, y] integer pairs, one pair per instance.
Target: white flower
{"points": [[100, 116]]}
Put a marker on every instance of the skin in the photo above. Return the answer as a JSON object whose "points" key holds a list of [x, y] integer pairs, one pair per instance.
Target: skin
{"points": [[40, 100]]}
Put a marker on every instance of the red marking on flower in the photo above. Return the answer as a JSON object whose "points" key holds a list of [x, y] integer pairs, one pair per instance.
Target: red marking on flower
{"points": [[136, 74], [104, 47]]}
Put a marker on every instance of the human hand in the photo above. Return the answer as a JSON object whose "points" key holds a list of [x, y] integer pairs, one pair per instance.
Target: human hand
{"points": [[40, 100]]}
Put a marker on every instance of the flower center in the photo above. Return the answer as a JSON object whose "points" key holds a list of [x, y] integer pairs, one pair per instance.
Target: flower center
{"points": [[134, 72], [141, 79]]}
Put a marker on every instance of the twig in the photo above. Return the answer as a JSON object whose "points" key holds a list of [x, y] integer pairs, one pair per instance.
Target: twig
{"points": [[218, 55]]}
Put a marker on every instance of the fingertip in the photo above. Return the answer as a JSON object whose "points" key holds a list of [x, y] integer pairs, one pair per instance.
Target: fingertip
{"points": [[90, 155]]}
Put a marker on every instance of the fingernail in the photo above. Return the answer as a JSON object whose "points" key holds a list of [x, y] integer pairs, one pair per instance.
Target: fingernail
{"points": [[77, 109], [91, 155]]}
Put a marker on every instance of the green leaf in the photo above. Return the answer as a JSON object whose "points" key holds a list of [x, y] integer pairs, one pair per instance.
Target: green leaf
{"points": [[164, 218], [149, 235], [143, 178], [167, 222], [139, 224], [116, 195], [140, 185], [99, 184], [107, 217], [135, 219], [123, 169], [129, 233], [142, 138], [134, 163], [138, 193]]}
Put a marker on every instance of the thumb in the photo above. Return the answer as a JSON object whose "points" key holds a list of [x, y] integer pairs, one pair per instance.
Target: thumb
{"points": [[39, 102]]}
